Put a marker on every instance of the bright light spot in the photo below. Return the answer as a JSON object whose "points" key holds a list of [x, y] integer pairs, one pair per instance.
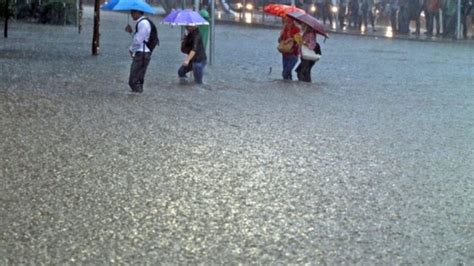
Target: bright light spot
{"points": [[249, 7], [389, 32], [239, 5], [422, 14], [334, 9], [313, 8], [248, 18]]}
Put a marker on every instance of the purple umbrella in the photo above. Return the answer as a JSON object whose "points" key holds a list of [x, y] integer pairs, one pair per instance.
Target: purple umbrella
{"points": [[184, 17]]}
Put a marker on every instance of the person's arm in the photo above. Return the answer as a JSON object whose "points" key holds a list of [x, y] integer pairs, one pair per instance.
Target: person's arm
{"points": [[189, 58], [298, 38], [196, 39], [140, 36]]}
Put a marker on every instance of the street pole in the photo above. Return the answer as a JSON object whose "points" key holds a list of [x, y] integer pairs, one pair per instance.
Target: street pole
{"points": [[7, 14], [293, 2], [183, 6], [96, 35], [213, 32], [458, 23], [196, 5], [80, 11]]}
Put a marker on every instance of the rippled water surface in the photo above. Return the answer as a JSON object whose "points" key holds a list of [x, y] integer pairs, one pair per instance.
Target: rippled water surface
{"points": [[371, 163]]}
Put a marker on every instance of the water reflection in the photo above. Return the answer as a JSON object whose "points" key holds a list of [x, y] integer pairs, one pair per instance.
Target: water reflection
{"points": [[389, 32], [248, 17]]}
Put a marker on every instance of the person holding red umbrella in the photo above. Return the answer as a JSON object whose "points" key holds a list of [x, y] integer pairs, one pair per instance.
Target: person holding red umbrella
{"points": [[289, 41], [290, 37]]}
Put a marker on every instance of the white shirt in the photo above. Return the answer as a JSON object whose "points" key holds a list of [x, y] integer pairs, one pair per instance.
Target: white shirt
{"points": [[143, 33]]}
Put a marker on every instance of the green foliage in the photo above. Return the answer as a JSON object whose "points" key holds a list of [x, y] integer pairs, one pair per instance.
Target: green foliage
{"points": [[4, 9], [57, 12]]}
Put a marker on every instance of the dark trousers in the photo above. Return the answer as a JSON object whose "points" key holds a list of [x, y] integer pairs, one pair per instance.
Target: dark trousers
{"points": [[304, 70], [342, 15], [431, 18], [403, 20], [289, 62], [327, 13], [367, 15], [393, 19], [464, 26], [137, 71], [196, 67], [450, 30]]}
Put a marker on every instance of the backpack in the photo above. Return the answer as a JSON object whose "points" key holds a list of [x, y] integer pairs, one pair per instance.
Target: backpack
{"points": [[153, 39]]}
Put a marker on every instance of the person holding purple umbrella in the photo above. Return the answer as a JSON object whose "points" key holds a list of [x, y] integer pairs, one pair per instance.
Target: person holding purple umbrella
{"points": [[196, 59]]}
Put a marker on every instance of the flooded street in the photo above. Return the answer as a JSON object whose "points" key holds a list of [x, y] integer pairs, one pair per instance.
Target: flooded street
{"points": [[370, 164]]}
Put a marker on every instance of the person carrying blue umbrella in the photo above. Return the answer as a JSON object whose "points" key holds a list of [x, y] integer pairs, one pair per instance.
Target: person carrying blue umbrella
{"points": [[145, 38], [140, 50]]}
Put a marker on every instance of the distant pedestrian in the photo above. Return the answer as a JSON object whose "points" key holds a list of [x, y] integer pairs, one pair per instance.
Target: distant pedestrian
{"points": [[327, 14], [394, 7], [466, 7], [354, 13], [288, 46], [415, 7], [309, 39], [366, 9], [404, 17], [432, 8], [196, 58], [139, 50], [342, 12], [319, 8], [450, 15]]}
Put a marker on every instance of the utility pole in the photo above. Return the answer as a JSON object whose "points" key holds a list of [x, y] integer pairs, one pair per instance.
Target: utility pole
{"points": [[458, 22], [96, 34], [213, 32], [183, 6], [80, 10], [7, 15]]}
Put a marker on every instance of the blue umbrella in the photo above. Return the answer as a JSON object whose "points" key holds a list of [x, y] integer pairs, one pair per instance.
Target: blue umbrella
{"points": [[140, 5], [109, 5], [184, 17]]}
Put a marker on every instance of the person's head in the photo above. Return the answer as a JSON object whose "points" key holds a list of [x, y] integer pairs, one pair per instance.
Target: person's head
{"points": [[287, 21], [299, 25], [136, 14], [191, 28], [305, 27]]}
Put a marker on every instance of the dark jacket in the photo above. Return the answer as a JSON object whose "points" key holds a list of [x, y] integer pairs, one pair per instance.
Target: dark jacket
{"points": [[193, 42]]}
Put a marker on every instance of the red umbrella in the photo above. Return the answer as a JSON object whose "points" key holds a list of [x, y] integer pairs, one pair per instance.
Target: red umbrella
{"points": [[310, 21], [281, 10]]}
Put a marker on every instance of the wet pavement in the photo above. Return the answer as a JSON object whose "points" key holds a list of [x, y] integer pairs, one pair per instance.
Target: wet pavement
{"points": [[370, 164]]}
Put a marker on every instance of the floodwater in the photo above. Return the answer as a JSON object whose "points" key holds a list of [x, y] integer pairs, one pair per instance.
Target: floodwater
{"points": [[370, 164]]}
